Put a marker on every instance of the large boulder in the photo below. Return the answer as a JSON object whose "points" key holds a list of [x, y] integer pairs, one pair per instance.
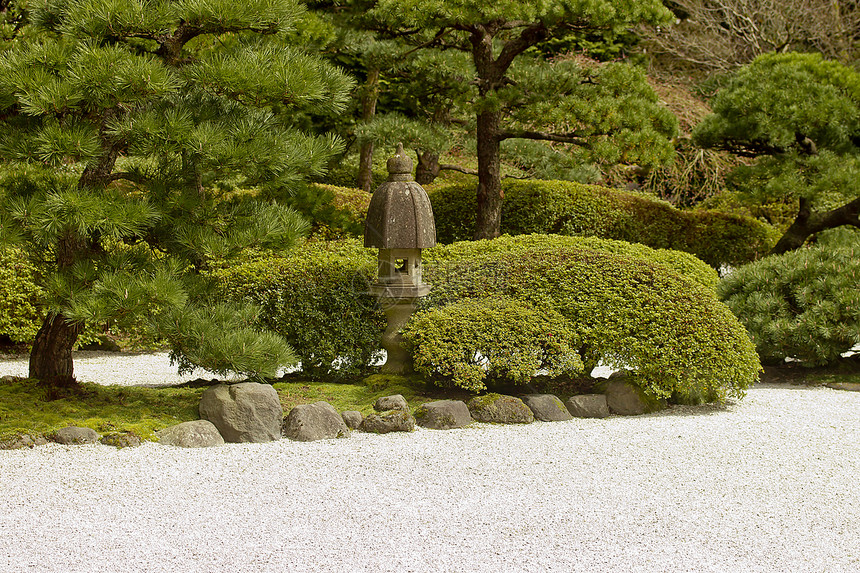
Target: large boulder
{"points": [[74, 435], [244, 412], [194, 434], [625, 398], [443, 415], [498, 409], [310, 422], [395, 402], [390, 421], [547, 408], [588, 406]]}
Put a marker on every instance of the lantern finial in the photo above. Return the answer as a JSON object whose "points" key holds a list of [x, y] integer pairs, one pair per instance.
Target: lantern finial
{"points": [[400, 166]]}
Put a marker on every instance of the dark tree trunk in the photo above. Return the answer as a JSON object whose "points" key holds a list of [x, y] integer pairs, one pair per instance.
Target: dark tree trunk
{"points": [[428, 167], [51, 356], [488, 219], [808, 223], [368, 110]]}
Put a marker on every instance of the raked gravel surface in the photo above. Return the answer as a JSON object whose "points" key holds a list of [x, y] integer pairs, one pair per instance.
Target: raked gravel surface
{"points": [[764, 484]]}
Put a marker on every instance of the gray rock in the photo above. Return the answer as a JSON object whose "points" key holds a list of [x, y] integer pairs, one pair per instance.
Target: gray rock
{"points": [[626, 398], [588, 406], [311, 422], [396, 402], [849, 386], [121, 440], [443, 415], [244, 412], [74, 435], [195, 434], [20, 441], [390, 421], [547, 408], [498, 409], [352, 419]]}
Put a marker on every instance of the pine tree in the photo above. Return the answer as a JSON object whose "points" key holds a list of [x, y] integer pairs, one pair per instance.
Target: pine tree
{"points": [[798, 116], [607, 112], [129, 126]]}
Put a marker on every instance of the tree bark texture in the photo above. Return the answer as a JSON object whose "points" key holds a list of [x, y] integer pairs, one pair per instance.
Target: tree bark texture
{"points": [[428, 167], [488, 221], [368, 110], [51, 356]]}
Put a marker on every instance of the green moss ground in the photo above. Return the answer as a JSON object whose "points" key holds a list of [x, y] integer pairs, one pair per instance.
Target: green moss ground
{"points": [[28, 407]]}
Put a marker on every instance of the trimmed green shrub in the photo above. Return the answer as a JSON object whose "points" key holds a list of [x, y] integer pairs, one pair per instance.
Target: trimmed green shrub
{"points": [[568, 208], [333, 212], [471, 344], [669, 330], [316, 297], [679, 262], [804, 304], [19, 295]]}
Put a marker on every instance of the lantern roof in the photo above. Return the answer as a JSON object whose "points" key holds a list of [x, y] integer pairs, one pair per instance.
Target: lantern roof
{"points": [[400, 215]]}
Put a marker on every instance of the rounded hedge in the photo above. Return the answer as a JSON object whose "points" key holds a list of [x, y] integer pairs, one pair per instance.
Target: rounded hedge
{"points": [[568, 208], [804, 304], [677, 261], [315, 296], [669, 330], [471, 344]]}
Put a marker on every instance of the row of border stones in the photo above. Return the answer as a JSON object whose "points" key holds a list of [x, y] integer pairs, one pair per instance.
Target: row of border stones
{"points": [[252, 412]]}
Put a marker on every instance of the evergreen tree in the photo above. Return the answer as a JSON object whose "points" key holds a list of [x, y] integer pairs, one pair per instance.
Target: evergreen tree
{"points": [[608, 112], [798, 116], [128, 127]]}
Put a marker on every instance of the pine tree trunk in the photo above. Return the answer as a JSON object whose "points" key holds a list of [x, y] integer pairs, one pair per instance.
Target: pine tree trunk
{"points": [[427, 169], [368, 110], [51, 356], [490, 194]]}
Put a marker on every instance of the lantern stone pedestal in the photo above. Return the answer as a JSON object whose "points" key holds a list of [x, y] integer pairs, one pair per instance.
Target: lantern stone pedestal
{"points": [[399, 223], [397, 313]]}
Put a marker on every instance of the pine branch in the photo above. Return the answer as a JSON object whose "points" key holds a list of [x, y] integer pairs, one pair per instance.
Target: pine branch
{"points": [[544, 136]]}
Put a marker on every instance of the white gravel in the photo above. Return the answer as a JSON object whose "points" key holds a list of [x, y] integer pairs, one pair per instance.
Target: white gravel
{"points": [[769, 483]]}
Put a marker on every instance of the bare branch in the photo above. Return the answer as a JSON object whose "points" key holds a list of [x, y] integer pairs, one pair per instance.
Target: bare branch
{"points": [[544, 136]]}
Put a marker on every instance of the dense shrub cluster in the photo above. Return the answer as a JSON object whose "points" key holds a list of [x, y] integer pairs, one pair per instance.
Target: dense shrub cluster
{"points": [[567, 208], [316, 297], [472, 343], [669, 330], [804, 304], [503, 310], [19, 295]]}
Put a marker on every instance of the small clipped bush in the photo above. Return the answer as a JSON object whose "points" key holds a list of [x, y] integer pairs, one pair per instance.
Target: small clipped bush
{"points": [[804, 304], [568, 208], [471, 344], [19, 295], [669, 330], [316, 297]]}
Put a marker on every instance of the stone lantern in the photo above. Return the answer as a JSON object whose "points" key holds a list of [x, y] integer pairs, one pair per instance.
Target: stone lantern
{"points": [[399, 223]]}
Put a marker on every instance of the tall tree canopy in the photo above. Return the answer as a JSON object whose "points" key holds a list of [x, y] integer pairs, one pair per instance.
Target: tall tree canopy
{"points": [[126, 123], [798, 115], [608, 112]]}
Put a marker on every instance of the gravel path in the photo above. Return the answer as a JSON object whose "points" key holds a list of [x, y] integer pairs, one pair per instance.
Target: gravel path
{"points": [[766, 484]]}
